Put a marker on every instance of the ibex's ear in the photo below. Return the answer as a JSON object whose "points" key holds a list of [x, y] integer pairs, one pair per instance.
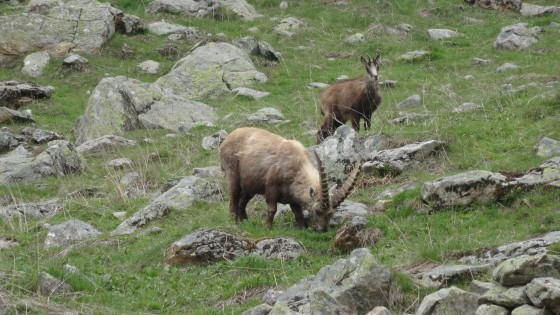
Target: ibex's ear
{"points": [[312, 193]]}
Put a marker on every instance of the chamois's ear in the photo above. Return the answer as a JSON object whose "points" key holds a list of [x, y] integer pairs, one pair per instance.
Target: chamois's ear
{"points": [[376, 60], [364, 62]]}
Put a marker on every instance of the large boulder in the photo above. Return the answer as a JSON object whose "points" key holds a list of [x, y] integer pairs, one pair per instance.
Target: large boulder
{"points": [[59, 159], [545, 292], [211, 71], [120, 104], [517, 37], [546, 173], [203, 8], [448, 301], [521, 270], [57, 27], [464, 189], [70, 232], [12, 93], [400, 159]]}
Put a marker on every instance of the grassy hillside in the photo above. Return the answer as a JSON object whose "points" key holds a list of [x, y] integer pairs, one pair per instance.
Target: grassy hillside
{"points": [[130, 277]]}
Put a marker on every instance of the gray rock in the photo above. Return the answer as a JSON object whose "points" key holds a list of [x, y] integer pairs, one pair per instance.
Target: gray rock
{"points": [[289, 26], [379, 310], [403, 158], [40, 136], [399, 30], [165, 28], [533, 10], [74, 60], [35, 63], [464, 189], [517, 37], [444, 275], [10, 115], [317, 85], [58, 27], [359, 282], [506, 297], [392, 192], [530, 310], [121, 104], [321, 302], [120, 163], [49, 285], [412, 101], [129, 24], [471, 20], [346, 211], [410, 118], [548, 172], [278, 248], [545, 292], [479, 287], [416, 55], [59, 159], [213, 142], [70, 232], [268, 115], [211, 71], [34, 210], [254, 94], [521, 270], [104, 143], [203, 8], [534, 246], [490, 309], [70, 269], [257, 48], [149, 66], [262, 309], [467, 107], [355, 38], [208, 172], [6, 242], [506, 66], [177, 198], [514, 5], [547, 147], [481, 62], [448, 301], [190, 34], [439, 34], [13, 92], [10, 140]]}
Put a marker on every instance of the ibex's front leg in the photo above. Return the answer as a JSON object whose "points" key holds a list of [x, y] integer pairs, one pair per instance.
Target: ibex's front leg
{"points": [[298, 213], [356, 122], [235, 192], [271, 198]]}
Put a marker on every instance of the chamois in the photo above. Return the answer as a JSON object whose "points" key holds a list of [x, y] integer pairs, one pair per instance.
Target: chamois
{"points": [[351, 100], [258, 162]]}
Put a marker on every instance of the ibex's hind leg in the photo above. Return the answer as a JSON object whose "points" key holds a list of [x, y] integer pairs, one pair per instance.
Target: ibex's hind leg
{"points": [[235, 191], [242, 205]]}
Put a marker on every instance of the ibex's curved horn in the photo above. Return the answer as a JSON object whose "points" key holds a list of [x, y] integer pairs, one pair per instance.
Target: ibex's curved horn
{"points": [[325, 202], [341, 193]]}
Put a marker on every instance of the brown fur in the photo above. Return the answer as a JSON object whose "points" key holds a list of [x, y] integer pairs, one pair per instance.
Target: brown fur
{"points": [[351, 100], [257, 162]]}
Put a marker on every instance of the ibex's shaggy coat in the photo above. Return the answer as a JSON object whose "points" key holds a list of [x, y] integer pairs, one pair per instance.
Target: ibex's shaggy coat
{"points": [[351, 100], [257, 162]]}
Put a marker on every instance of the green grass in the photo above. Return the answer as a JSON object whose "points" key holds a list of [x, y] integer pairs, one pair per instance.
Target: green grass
{"points": [[130, 277]]}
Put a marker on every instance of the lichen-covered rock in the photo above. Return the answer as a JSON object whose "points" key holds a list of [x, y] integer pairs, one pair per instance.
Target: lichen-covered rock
{"points": [[104, 143], [448, 301], [517, 37], [408, 156], [546, 173], [514, 5], [506, 297], [278, 247], [203, 8], [491, 309], [35, 63], [529, 310], [439, 34], [34, 210], [545, 292], [521, 270], [70, 232], [49, 285], [547, 147]]}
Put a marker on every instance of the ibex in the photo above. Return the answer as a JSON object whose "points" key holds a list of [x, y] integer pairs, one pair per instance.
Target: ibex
{"points": [[351, 100], [258, 162]]}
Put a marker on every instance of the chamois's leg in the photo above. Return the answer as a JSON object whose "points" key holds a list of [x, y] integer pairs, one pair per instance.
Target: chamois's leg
{"points": [[367, 122], [235, 191], [326, 128], [298, 213], [242, 206], [356, 122], [271, 198]]}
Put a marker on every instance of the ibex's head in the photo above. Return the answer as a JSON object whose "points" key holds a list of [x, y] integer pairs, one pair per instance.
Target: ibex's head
{"points": [[371, 66], [323, 211]]}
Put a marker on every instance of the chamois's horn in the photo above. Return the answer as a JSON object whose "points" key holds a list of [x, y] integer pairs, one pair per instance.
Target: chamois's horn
{"points": [[325, 202], [339, 194]]}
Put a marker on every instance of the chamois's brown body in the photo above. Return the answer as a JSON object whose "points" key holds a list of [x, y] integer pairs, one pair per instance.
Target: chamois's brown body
{"points": [[351, 100], [257, 162]]}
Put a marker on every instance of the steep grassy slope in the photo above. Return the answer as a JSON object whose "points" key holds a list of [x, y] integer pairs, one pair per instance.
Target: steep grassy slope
{"points": [[130, 278]]}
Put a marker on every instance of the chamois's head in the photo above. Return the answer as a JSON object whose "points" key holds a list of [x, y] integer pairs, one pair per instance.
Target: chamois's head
{"points": [[371, 66], [322, 212]]}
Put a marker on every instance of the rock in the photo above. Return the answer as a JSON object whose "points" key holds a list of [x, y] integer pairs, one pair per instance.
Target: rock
{"points": [[399, 30], [149, 66], [439, 34], [534, 246], [514, 5], [521, 270], [479, 287], [129, 24], [278, 248], [49, 285], [254, 94], [40, 136], [358, 282], [467, 107], [121, 104], [464, 189], [481, 62], [444, 275], [348, 210], [317, 85], [267, 115], [355, 39], [413, 56], [178, 198], [530, 310], [412, 101], [388, 84], [379, 310], [547, 147], [57, 27], [34, 210], [120, 163], [208, 172], [517, 37], [12, 93], [505, 297], [35, 63], [262, 309], [356, 235], [448, 301], [10, 115], [10, 140], [213, 142], [104, 144], [507, 66], [547, 173], [211, 71], [69, 269], [74, 60], [410, 118], [289, 26], [490, 309], [545, 292], [254, 48], [471, 20], [204, 8], [59, 159], [70, 232], [321, 302], [532, 10], [165, 28], [403, 158], [6, 242]]}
